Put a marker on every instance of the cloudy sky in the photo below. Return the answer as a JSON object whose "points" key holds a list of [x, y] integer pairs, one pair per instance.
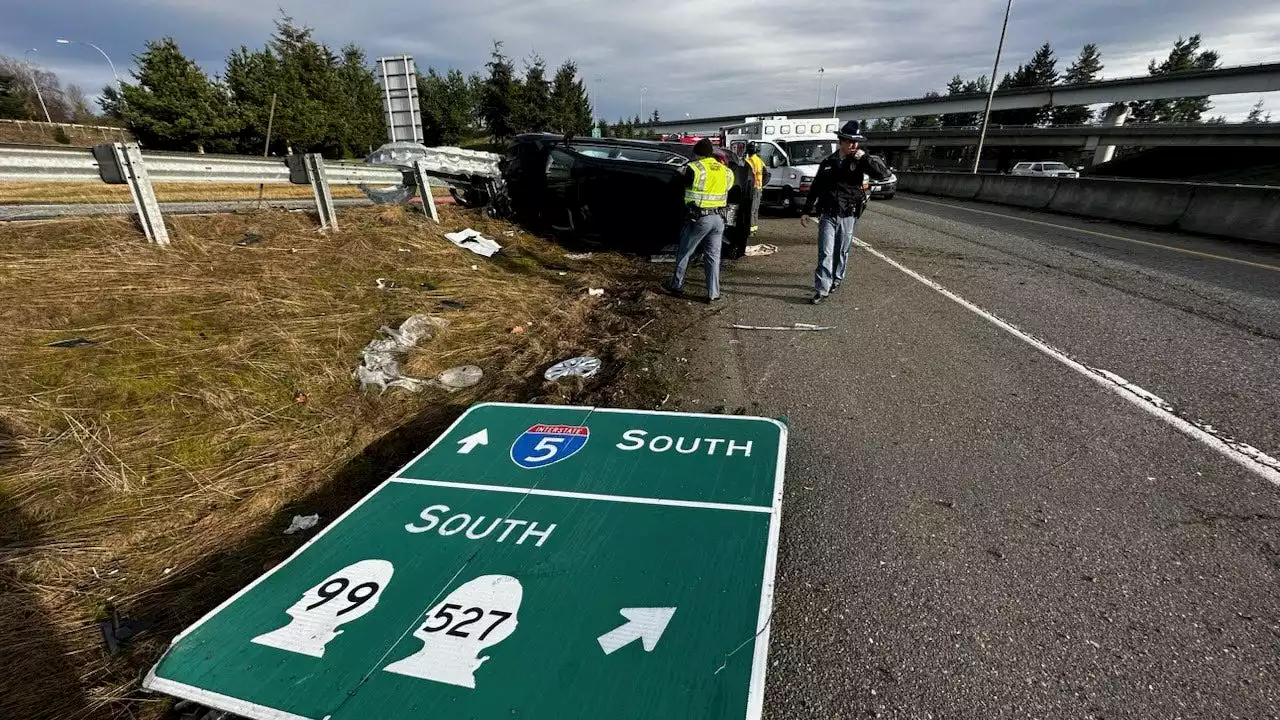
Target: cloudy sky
{"points": [[696, 57]]}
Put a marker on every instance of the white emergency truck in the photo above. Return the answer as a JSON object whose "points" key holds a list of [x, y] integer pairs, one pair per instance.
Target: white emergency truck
{"points": [[791, 149]]}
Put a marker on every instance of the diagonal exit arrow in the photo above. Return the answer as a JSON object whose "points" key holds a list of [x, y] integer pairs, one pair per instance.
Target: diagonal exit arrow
{"points": [[469, 443], [643, 624]]}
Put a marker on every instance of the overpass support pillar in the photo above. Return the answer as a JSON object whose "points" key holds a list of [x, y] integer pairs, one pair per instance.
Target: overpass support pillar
{"points": [[1115, 117]]}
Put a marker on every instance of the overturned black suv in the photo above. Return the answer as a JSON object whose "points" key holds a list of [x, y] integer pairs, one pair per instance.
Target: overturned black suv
{"points": [[625, 194]]}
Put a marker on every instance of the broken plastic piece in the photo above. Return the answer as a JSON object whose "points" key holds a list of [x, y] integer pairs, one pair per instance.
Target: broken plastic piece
{"points": [[585, 366], [458, 378], [474, 241], [379, 368], [761, 250], [578, 256], [249, 239], [74, 342], [595, 292], [302, 522]]}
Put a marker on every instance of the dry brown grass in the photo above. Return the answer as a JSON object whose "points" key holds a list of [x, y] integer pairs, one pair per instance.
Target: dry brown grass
{"points": [[154, 471], [18, 193]]}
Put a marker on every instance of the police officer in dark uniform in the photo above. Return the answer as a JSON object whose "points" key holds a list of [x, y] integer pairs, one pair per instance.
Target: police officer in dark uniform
{"points": [[838, 196]]}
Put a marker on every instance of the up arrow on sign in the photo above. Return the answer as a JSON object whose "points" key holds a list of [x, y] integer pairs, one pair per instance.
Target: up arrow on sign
{"points": [[469, 443], [643, 624]]}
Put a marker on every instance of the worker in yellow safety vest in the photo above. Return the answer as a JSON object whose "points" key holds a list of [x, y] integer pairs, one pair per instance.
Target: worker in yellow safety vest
{"points": [[760, 176], [707, 183]]}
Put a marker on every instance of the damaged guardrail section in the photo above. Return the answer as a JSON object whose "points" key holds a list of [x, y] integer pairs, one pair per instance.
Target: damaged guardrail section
{"points": [[410, 171], [1242, 212]]}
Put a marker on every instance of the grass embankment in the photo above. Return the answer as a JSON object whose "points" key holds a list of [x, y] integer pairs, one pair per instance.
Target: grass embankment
{"points": [[40, 193], [154, 471]]}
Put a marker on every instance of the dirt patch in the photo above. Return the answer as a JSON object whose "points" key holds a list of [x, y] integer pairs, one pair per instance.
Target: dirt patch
{"points": [[27, 132], [202, 396], [31, 193]]}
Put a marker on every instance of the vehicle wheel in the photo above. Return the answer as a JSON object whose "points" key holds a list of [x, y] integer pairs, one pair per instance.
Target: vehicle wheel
{"points": [[789, 202], [469, 198]]}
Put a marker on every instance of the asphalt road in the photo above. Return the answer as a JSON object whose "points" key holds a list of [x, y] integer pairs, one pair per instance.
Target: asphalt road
{"points": [[974, 528]]}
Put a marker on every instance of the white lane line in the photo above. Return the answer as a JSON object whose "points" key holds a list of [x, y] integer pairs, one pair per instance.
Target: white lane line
{"points": [[1245, 455], [1109, 236], [587, 496]]}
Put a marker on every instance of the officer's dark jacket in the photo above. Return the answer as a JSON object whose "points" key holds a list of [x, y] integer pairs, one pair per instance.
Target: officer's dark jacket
{"points": [[837, 187]]}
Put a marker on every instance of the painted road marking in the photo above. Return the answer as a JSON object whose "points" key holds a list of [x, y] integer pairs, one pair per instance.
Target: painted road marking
{"points": [[486, 592], [1198, 253], [1247, 456]]}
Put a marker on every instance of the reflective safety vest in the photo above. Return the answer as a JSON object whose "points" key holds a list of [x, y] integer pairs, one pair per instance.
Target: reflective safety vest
{"points": [[711, 183], [757, 169]]}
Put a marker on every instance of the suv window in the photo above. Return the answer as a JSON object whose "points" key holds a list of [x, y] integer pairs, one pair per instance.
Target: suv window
{"points": [[1037, 168], [633, 154], [1022, 166]]}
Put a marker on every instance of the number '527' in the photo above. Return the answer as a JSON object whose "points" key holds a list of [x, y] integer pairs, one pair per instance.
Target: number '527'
{"points": [[444, 620]]}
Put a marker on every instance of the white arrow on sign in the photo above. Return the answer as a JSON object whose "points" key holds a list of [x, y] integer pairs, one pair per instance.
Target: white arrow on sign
{"points": [[469, 443], [643, 624]]}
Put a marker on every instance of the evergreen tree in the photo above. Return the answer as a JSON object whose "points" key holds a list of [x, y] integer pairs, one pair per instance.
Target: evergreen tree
{"points": [[1040, 71], [500, 95], [357, 124], [448, 106], [306, 84], [1086, 68], [535, 112], [571, 107], [174, 105], [1185, 56], [252, 77], [11, 105], [655, 118], [1255, 113], [956, 87], [605, 129]]}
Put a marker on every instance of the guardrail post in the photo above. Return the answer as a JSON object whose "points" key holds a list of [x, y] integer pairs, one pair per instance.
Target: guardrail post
{"points": [[424, 189], [128, 159], [314, 164]]}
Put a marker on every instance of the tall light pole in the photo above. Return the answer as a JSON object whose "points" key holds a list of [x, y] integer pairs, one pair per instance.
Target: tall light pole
{"points": [[991, 90], [31, 70], [119, 86], [820, 71], [643, 90]]}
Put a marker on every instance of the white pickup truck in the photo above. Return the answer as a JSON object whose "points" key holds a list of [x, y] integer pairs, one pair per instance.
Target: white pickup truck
{"points": [[1044, 169]]}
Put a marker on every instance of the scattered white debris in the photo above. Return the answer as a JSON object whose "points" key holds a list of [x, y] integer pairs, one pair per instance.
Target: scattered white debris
{"points": [[578, 256], [475, 267], [378, 365], [761, 250], [300, 523], [474, 241], [585, 366], [662, 258], [595, 292], [384, 284], [802, 327], [458, 378]]}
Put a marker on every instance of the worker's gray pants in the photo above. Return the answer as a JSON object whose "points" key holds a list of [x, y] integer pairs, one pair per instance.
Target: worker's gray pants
{"points": [[706, 232], [835, 239], [755, 208]]}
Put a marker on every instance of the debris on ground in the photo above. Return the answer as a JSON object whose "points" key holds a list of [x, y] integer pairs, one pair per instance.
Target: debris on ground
{"points": [[452, 305], [795, 327], [578, 256], [595, 292], [74, 342], [584, 366], [474, 241], [379, 367], [459, 378], [761, 250], [301, 522], [663, 258], [250, 238], [116, 631], [517, 330], [384, 284]]}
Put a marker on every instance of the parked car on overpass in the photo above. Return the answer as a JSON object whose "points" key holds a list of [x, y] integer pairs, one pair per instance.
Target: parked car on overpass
{"points": [[1044, 169], [627, 194]]}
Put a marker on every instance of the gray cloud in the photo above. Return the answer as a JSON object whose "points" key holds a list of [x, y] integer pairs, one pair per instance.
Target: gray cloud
{"points": [[702, 58]]}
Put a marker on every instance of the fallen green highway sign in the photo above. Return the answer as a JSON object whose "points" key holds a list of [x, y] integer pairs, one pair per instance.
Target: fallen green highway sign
{"points": [[535, 562]]}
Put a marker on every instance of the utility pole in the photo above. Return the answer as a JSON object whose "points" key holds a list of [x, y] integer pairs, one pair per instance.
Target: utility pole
{"points": [[820, 71], [31, 70], [991, 91]]}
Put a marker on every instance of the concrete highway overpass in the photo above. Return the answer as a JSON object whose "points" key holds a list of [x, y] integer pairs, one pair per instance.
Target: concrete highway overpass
{"points": [[1223, 81], [1087, 137]]}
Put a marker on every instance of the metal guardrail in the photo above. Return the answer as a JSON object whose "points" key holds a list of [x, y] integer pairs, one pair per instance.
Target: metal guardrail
{"points": [[126, 164]]}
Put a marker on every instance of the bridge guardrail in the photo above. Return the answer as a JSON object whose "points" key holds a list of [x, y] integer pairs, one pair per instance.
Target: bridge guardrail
{"points": [[126, 164], [1242, 212]]}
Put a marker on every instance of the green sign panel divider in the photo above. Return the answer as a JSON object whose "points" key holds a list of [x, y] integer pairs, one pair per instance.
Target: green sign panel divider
{"points": [[535, 562]]}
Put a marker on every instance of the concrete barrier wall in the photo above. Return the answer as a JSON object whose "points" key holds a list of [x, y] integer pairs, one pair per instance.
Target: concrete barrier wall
{"points": [[1249, 213], [1233, 211], [1023, 192], [1136, 201], [957, 185]]}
